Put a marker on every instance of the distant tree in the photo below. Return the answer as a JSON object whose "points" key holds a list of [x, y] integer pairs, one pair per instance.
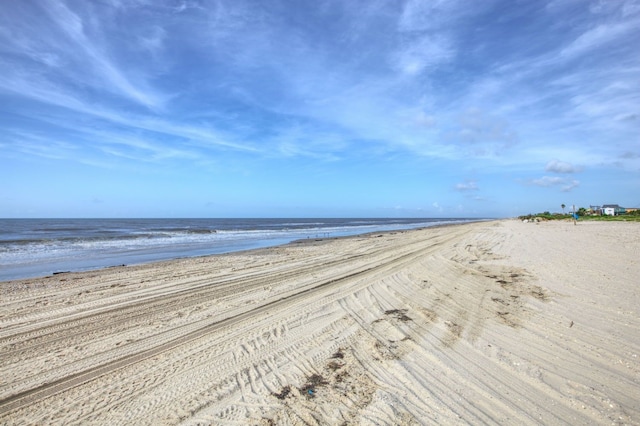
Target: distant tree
{"points": [[563, 206], [582, 211]]}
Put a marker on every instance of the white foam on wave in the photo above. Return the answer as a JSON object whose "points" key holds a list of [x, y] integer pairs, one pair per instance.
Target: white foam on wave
{"points": [[144, 245]]}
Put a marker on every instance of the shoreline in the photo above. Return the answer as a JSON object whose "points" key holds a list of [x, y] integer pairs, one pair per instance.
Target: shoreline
{"points": [[484, 322], [239, 251]]}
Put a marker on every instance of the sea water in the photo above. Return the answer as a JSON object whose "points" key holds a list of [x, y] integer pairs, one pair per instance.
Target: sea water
{"points": [[38, 247]]}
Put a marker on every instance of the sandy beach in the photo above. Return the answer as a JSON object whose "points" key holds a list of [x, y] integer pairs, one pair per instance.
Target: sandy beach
{"points": [[485, 323]]}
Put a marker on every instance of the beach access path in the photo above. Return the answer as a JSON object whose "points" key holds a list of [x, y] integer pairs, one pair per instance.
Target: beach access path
{"points": [[496, 322]]}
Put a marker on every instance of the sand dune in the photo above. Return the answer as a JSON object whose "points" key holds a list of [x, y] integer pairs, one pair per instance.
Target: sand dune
{"points": [[496, 322]]}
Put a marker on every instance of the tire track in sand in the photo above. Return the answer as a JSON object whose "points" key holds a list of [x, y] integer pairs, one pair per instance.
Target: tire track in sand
{"points": [[45, 390]]}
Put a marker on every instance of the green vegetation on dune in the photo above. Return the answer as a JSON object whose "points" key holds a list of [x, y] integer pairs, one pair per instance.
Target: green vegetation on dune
{"points": [[633, 216]]}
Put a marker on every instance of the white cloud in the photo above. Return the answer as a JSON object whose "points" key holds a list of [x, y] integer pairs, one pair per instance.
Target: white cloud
{"points": [[556, 166], [548, 181], [469, 185], [565, 185], [568, 186]]}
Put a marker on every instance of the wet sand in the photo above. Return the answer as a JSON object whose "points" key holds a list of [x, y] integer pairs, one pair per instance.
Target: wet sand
{"points": [[496, 322]]}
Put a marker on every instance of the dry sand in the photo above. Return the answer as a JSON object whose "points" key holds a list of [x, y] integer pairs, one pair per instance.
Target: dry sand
{"points": [[486, 323]]}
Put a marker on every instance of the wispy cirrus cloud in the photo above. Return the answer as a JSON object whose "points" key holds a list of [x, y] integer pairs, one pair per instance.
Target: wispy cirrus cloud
{"points": [[422, 54], [73, 49], [598, 37], [483, 89], [289, 72]]}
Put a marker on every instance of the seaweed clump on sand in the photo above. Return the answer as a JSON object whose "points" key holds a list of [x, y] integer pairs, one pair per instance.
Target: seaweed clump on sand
{"points": [[399, 314]]}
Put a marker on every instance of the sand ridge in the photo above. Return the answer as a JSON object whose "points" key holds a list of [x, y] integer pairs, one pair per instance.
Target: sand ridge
{"points": [[495, 322]]}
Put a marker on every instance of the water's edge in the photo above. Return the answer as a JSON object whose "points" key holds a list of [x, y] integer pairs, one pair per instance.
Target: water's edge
{"points": [[110, 259]]}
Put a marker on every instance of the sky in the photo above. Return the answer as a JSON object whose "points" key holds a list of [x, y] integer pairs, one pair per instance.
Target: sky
{"points": [[324, 108]]}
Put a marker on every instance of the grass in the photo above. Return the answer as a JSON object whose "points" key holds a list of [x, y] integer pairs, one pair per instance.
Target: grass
{"points": [[619, 218]]}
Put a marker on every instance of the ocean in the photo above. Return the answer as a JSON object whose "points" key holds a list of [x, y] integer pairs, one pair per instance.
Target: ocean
{"points": [[39, 247]]}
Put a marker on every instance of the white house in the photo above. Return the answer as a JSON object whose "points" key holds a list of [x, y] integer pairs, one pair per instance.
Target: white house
{"points": [[612, 209]]}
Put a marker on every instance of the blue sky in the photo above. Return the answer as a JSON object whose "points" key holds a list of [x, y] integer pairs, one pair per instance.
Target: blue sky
{"points": [[326, 108]]}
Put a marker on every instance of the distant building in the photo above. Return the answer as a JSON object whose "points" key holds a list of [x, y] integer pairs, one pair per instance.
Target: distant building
{"points": [[612, 210]]}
